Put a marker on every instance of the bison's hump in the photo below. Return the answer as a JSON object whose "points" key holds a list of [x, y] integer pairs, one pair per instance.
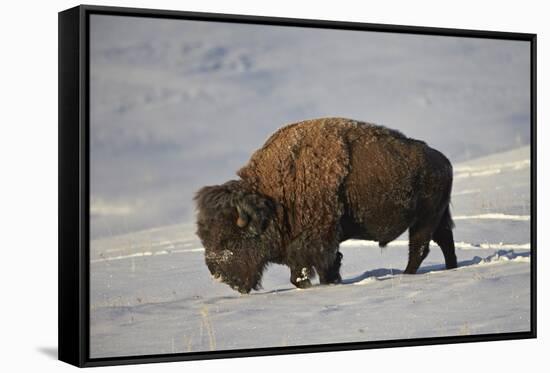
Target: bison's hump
{"points": [[303, 166], [323, 142], [303, 151]]}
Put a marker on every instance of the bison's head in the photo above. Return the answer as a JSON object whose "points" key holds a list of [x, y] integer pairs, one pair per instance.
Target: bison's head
{"points": [[237, 229]]}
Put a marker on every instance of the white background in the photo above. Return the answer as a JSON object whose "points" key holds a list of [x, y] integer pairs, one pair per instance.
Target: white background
{"points": [[28, 146]]}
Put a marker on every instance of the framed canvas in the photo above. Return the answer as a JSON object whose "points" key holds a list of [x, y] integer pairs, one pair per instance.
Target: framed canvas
{"points": [[235, 186]]}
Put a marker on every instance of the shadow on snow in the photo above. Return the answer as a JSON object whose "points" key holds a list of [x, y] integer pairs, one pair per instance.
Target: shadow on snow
{"points": [[387, 273]]}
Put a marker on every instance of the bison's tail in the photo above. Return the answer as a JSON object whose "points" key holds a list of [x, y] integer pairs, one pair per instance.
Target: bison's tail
{"points": [[446, 219]]}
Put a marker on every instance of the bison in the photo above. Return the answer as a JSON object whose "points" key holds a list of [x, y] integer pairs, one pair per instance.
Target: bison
{"points": [[319, 182]]}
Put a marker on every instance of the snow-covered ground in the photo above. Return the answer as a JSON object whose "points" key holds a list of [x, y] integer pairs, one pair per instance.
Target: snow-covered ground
{"points": [[151, 292]]}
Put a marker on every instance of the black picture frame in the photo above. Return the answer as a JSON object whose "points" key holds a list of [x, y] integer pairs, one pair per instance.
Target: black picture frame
{"points": [[74, 204]]}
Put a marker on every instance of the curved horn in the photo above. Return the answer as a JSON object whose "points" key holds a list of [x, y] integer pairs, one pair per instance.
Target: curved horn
{"points": [[242, 220]]}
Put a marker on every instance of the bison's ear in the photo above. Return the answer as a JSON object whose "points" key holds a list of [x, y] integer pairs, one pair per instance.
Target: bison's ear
{"points": [[254, 212]]}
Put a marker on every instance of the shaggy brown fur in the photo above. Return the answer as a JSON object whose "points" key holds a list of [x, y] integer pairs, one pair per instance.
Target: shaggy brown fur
{"points": [[315, 184]]}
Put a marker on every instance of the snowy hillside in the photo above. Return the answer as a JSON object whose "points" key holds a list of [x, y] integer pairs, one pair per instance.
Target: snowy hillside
{"points": [[151, 292], [177, 105]]}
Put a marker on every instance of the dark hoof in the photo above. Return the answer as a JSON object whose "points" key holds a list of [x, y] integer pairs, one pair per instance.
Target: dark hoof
{"points": [[302, 284], [333, 281]]}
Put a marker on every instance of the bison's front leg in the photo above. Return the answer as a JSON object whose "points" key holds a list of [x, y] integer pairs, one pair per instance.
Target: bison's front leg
{"points": [[301, 277], [329, 270]]}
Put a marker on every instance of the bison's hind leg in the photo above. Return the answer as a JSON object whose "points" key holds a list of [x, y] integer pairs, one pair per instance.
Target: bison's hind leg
{"points": [[420, 235], [443, 236]]}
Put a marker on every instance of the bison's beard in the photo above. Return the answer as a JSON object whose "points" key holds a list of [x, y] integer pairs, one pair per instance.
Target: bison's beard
{"points": [[241, 273]]}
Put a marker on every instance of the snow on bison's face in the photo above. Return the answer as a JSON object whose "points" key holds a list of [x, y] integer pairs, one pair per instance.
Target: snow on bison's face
{"points": [[237, 231]]}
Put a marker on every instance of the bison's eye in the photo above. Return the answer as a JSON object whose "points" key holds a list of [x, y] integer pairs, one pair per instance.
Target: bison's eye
{"points": [[265, 223]]}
